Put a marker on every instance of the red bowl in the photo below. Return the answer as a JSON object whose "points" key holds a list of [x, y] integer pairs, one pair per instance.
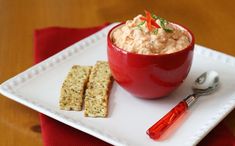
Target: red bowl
{"points": [[149, 76]]}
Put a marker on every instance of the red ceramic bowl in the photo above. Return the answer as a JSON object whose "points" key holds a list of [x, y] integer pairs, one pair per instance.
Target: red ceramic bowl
{"points": [[149, 76]]}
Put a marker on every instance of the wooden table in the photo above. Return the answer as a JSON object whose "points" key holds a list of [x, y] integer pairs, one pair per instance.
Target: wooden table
{"points": [[211, 21]]}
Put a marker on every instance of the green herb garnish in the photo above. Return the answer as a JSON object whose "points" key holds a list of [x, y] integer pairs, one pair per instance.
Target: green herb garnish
{"points": [[168, 30], [154, 16], [155, 31], [163, 22], [140, 25]]}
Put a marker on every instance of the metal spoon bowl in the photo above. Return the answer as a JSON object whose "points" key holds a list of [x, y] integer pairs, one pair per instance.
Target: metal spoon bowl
{"points": [[206, 84]]}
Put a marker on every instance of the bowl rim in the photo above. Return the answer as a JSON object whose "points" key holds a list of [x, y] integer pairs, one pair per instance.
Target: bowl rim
{"points": [[189, 47]]}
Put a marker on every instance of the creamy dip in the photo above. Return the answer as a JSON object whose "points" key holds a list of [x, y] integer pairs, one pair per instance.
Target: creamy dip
{"points": [[154, 37]]}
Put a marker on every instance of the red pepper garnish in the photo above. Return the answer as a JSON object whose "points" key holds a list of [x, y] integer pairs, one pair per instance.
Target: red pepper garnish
{"points": [[150, 21], [149, 18], [143, 18], [154, 23]]}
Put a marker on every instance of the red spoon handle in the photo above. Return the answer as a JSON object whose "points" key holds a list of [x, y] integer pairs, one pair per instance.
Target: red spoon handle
{"points": [[165, 122]]}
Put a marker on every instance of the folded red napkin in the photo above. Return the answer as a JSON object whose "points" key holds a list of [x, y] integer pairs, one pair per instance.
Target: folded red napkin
{"points": [[51, 40]]}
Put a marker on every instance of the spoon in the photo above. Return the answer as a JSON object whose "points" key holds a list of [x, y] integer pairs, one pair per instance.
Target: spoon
{"points": [[205, 84]]}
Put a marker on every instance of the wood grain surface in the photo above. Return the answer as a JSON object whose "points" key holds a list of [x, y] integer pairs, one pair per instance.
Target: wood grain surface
{"points": [[212, 22]]}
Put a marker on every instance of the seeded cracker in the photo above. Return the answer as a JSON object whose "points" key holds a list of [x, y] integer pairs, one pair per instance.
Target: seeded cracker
{"points": [[73, 88], [97, 92]]}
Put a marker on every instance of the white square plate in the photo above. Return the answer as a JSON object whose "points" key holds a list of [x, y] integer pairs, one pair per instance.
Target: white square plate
{"points": [[129, 117]]}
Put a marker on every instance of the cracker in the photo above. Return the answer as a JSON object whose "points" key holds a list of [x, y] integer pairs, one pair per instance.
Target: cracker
{"points": [[97, 92], [73, 88]]}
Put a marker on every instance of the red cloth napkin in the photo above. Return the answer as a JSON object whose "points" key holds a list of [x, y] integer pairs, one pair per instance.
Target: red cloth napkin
{"points": [[51, 40]]}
